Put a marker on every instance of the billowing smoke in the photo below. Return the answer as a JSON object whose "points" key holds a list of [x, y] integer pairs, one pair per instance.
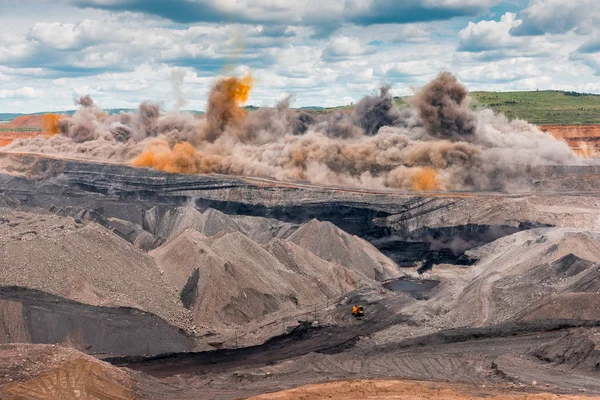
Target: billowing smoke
{"points": [[438, 144], [374, 112], [442, 106], [85, 101], [224, 113]]}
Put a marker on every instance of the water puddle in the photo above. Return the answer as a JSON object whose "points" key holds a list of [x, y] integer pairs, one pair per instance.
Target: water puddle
{"points": [[419, 289]]}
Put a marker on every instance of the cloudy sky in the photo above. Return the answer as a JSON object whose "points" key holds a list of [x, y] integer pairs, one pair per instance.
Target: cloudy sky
{"points": [[324, 53]]}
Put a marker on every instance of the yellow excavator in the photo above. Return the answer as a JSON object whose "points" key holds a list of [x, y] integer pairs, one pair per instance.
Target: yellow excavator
{"points": [[358, 312]]}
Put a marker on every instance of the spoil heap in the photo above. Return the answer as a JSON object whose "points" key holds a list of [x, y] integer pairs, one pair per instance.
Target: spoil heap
{"points": [[577, 349], [82, 262], [166, 222], [54, 372], [229, 278], [332, 244], [529, 275]]}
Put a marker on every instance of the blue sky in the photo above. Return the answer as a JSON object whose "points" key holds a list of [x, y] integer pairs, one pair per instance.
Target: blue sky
{"points": [[326, 53]]}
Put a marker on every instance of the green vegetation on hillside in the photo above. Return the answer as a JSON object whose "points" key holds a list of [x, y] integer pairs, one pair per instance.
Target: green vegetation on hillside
{"points": [[543, 107], [539, 107], [3, 129]]}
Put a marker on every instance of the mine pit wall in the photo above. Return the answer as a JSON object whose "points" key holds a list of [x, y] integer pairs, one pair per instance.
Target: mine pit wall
{"points": [[119, 191], [33, 316], [574, 135], [442, 245]]}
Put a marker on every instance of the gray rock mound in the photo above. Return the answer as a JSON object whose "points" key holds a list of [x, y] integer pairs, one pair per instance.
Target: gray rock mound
{"points": [[83, 262], [166, 222], [580, 348], [230, 279], [332, 244], [262, 230]]}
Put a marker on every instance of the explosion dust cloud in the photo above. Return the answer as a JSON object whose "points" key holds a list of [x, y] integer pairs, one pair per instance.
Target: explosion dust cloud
{"points": [[50, 124], [439, 143]]}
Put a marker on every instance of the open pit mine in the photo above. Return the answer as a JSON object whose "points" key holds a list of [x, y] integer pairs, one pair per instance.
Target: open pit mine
{"points": [[169, 256]]}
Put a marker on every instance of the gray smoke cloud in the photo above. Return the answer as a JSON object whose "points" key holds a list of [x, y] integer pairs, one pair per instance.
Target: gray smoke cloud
{"points": [[439, 143], [374, 112], [442, 106], [85, 101]]}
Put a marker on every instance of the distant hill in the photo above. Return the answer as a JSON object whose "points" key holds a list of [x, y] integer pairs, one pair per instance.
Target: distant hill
{"points": [[6, 117], [543, 107], [537, 107]]}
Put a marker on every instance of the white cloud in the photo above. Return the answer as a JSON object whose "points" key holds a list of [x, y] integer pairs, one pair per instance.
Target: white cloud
{"points": [[487, 41], [124, 58], [489, 35], [558, 16], [342, 47], [12, 52], [591, 60], [16, 72], [22, 93], [410, 68], [57, 35], [501, 71]]}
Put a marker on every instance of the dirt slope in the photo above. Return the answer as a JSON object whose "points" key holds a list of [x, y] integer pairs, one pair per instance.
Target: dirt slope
{"points": [[575, 134], [53, 372], [577, 349], [262, 230], [23, 127], [82, 262], [331, 279], [332, 244], [32, 316], [520, 270], [26, 121], [400, 390], [585, 306], [230, 279], [167, 222]]}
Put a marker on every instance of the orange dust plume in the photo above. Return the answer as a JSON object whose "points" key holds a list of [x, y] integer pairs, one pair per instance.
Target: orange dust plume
{"points": [[225, 105], [50, 124], [239, 89], [181, 158], [425, 180]]}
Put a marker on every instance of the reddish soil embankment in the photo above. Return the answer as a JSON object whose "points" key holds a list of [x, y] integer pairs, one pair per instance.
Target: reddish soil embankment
{"points": [[397, 390], [26, 121], [23, 127], [575, 135]]}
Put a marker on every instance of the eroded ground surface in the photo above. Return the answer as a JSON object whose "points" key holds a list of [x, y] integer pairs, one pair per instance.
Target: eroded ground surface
{"points": [[398, 390]]}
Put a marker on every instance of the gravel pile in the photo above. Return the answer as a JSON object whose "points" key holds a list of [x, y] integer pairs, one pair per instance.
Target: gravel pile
{"points": [[83, 262], [230, 279], [330, 243], [167, 222]]}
